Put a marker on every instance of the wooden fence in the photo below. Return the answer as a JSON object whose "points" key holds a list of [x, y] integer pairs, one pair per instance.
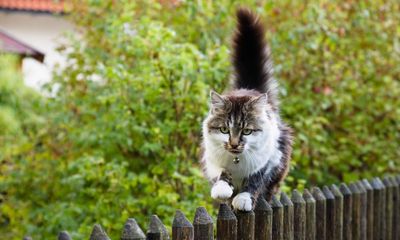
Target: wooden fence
{"points": [[360, 210]]}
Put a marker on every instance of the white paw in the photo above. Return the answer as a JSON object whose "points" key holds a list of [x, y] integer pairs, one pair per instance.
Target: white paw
{"points": [[221, 190], [242, 202]]}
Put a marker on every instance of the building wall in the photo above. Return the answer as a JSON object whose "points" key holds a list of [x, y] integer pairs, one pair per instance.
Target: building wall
{"points": [[43, 32]]}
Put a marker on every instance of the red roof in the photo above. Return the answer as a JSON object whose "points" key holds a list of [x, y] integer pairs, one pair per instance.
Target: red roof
{"points": [[12, 45], [52, 6]]}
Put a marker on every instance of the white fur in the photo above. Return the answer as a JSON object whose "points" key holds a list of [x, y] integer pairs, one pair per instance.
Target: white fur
{"points": [[221, 190], [260, 148], [242, 202]]}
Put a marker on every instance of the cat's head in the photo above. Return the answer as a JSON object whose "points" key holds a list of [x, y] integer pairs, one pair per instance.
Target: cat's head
{"points": [[240, 121]]}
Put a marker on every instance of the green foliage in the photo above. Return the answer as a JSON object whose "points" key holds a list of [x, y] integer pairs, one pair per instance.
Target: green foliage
{"points": [[120, 138]]}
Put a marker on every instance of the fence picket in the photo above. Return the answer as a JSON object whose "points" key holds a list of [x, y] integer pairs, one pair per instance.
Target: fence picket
{"points": [[320, 213], [356, 211], [263, 219], [338, 234], [245, 225], [132, 231], [363, 210], [382, 215], [287, 217], [396, 211], [389, 207], [378, 203], [330, 213], [182, 229], [63, 235], [310, 215], [157, 230], [203, 225], [299, 220], [370, 209], [98, 233], [277, 219], [226, 223], [347, 211]]}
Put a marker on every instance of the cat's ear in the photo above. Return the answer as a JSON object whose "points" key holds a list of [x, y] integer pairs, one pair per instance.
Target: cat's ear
{"points": [[259, 101], [217, 102]]}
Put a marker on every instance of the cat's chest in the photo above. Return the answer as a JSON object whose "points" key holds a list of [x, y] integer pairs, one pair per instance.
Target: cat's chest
{"points": [[243, 168], [248, 164]]}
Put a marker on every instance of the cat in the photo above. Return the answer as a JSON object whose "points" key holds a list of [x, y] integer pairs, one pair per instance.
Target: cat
{"points": [[247, 147]]}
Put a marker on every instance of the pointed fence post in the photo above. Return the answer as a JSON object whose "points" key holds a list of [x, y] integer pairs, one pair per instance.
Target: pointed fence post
{"points": [[356, 214], [338, 235], [378, 203], [363, 210], [277, 219], [311, 216], [63, 235], [263, 220], [347, 211], [132, 231], [98, 233], [157, 230], [370, 209], [396, 210], [287, 217], [389, 206], [203, 225], [245, 228], [299, 212], [182, 229], [383, 209], [226, 223], [321, 213], [330, 213]]}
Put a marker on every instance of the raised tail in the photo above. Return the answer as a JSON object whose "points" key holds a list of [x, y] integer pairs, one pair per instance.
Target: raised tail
{"points": [[251, 57]]}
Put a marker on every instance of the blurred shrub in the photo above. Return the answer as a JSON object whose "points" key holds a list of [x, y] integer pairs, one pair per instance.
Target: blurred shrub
{"points": [[121, 136]]}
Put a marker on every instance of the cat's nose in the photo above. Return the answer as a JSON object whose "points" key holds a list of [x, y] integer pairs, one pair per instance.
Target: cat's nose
{"points": [[234, 146]]}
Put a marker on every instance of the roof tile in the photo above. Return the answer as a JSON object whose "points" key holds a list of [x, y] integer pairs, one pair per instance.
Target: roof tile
{"points": [[53, 6]]}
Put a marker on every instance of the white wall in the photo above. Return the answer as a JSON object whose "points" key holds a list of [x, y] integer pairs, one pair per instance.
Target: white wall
{"points": [[41, 31]]}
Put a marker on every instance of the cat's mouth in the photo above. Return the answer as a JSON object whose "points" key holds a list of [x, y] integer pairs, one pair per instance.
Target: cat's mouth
{"points": [[235, 151]]}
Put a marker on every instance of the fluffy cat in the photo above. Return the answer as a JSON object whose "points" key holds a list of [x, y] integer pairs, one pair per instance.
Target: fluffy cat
{"points": [[247, 147]]}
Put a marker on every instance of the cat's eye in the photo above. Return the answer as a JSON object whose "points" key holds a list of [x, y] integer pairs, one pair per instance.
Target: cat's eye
{"points": [[224, 130], [247, 131]]}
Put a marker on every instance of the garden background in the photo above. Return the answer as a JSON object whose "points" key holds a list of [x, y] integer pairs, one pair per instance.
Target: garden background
{"points": [[118, 134]]}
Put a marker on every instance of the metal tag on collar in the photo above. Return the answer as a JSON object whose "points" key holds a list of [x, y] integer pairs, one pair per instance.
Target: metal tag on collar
{"points": [[236, 160]]}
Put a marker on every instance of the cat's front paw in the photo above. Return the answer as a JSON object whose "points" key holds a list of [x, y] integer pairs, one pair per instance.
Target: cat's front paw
{"points": [[221, 190], [242, 202]]}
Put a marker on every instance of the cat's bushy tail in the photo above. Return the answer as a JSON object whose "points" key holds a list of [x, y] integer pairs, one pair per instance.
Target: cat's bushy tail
{"points": [[251, 57]]}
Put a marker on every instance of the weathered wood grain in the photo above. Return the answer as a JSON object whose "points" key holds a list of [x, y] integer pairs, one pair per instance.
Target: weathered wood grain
{"points": [[157, 230], [299, 220], [182, 229], [347, 211], [226, 223], [245, 225], [310, 215], [338, 234], [370, 209], [98, 233], [203, 225], [330, 214], [277, 219], [263, 219], [287, 217]]}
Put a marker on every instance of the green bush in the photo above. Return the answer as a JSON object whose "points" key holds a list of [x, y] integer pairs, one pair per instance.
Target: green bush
{"points": [[121, 136]]}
